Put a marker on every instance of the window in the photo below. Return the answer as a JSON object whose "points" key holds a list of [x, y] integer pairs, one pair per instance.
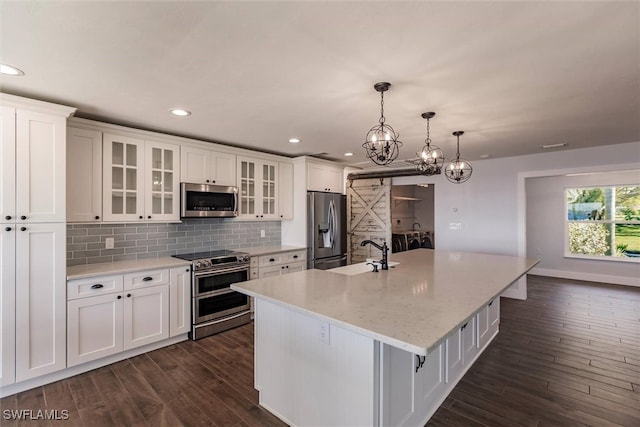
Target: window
{"points": [[604, 222]]}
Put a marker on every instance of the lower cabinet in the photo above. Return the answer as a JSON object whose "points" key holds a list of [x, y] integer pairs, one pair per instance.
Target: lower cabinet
{"points": [[413, 386], [278, 264], [179, 301], [110, 314]]}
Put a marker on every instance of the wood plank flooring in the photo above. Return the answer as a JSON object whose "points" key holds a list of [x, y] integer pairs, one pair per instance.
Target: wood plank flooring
{"points": [[568, 356]]}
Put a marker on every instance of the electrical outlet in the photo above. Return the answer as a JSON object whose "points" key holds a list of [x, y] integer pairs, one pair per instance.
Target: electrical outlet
{"points": [[324, 332], [262, 233], [109, 243]]}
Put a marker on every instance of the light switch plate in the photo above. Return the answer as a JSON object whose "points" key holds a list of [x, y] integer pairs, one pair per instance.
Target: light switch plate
{"points": [[109, 243]]}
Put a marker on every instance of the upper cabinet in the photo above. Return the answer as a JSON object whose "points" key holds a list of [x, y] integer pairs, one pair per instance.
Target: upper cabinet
{"points": [[324, 177], [285, 190], [140, 180], [84, 175], [32, 166], [201, 166], [258, 183]]}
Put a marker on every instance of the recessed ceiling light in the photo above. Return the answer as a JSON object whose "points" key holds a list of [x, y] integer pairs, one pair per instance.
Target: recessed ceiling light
{"points": [[485, 156], [294, 140], [546, 147], [348, 154], [180, 112], [10, 70]]}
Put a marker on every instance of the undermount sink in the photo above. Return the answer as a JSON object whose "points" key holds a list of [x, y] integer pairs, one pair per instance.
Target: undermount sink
{"points": [[361, 267]]}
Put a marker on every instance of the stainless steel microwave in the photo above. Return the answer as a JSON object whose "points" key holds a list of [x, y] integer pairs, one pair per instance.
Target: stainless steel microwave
{"points": [[204, 200]]}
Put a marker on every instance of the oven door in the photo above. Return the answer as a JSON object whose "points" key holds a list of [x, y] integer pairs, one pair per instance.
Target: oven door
{"points": [[219, 305], [218, 281]]}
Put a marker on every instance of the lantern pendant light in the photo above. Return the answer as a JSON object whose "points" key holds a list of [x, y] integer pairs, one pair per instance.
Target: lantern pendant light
{"points": [[382, 145], [460, 170], [430, 158]]}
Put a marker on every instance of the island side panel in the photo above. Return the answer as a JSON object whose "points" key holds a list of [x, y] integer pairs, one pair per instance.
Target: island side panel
{"points": [[309, 372]]}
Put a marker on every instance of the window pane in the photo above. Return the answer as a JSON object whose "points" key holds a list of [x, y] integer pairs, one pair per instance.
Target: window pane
{"points": [[628, 203], [627, 240], [587, 238]]}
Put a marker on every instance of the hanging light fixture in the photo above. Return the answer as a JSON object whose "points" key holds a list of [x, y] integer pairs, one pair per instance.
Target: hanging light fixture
{"points": [[382, 143], [460, 170], [430, 158]]}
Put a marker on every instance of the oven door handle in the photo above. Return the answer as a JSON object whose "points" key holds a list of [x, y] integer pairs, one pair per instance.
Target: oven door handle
{"points": [[221, 271]]}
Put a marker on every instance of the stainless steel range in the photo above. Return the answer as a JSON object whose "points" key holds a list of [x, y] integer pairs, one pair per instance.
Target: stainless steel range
{"points": [[214, 306]]}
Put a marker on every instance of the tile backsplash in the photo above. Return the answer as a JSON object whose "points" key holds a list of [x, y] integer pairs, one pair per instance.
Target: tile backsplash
{"points": [[86, 242]]}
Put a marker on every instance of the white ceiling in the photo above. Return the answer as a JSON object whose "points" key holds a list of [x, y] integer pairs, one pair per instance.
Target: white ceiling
{"points": [[512, 75]]}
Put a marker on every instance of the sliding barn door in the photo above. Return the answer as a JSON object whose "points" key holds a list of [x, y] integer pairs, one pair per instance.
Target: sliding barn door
{"points": [[368, 216]]}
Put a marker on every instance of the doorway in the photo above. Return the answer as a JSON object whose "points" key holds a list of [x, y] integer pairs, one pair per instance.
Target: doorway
{"points": [[412, 216]]}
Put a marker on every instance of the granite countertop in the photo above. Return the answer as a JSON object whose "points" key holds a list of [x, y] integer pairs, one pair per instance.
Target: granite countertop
{"points": [[413, 306], [120, 267], [265, 250]]}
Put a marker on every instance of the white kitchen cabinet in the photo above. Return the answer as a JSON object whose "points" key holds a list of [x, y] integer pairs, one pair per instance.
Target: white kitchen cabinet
{"points": [[123, 178], [84, 175], [461, 349], [285, 190], [179, 301], [32, 238], [110, 314], [162, 185], [140, 180], [146, 316], [40, 299], [324, 177], [258, 183], [488, 322], [32, 166], [277, 264], [412, 384], [201, 166], [7, 304]]}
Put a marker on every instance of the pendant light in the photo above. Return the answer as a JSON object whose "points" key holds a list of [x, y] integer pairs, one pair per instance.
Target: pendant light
{"points": [[460, 170], [430, 158], [382, 143]]}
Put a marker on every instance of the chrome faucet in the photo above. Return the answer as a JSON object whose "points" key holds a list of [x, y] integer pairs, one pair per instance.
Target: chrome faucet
{"points": [[414, 226], [384, 248]]}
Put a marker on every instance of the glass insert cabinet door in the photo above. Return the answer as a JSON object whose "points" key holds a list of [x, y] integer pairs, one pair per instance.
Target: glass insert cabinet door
{"points": [[123, 178], [161, 183], [257, 182], [247, 190]]}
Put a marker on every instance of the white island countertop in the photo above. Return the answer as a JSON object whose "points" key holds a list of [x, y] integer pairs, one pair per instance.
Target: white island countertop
{"points": [[412, 306]]}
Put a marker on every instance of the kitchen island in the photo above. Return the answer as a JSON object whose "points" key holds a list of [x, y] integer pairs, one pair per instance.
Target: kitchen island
{"points": [[341, 348]]}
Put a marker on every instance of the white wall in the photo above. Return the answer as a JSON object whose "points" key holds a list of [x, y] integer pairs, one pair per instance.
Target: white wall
{"points": [[491, 205], [546, 210]]}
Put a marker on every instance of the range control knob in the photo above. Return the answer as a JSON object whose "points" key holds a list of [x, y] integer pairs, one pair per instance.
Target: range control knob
{"points": [[198, 265], [243, 258], [206, 263]]}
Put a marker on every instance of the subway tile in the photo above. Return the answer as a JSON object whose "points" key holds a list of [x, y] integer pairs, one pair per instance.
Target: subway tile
{"points": [[85, 254], [115, 251], [136, 236], [86, 239], [76, 232], [99, 245], [124, 257], [99, 231], [78, 261], [156, 248], [157, 235], [146, 242], [99, 259], [135, 250]]}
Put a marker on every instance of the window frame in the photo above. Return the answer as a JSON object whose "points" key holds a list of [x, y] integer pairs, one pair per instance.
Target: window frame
{"points": [[612, 222]]}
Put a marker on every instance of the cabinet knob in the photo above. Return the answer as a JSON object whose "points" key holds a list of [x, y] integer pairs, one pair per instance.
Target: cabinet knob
{"points": [[119, 297], [7, 229], [207, 180], [97, 216], [23, 228], [23, 217], [490, 303], [149, 217], [8, 217], [271, 260], [128, 295], [140, 217], [213, 181], [261, 216], [295, 257], [287, 266], [281, 216]]}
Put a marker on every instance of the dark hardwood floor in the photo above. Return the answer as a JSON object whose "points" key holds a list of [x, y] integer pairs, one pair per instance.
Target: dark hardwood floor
{"points": [[569, 355]]}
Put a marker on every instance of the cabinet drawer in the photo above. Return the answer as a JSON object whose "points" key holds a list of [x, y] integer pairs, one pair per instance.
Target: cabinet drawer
{"points": [[273, 259], [295, 256], [143, 279], [253, 263], [92, 286]]}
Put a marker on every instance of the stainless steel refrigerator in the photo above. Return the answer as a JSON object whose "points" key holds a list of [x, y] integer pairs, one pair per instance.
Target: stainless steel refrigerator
{"points": [[326, 230]]}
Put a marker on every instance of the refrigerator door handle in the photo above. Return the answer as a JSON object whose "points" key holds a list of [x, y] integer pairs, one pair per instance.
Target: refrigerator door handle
{"points": [[332, 223]]}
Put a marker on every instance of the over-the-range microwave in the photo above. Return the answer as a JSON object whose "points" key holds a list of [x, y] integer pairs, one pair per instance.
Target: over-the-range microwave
{"points": [[208, 201]]}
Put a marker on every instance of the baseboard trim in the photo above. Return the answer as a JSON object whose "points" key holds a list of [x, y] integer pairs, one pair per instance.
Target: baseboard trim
{"points": [[589, 277]]}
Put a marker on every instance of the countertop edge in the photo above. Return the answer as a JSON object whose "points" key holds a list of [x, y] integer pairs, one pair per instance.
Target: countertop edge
{"points": [[75, 272]]}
